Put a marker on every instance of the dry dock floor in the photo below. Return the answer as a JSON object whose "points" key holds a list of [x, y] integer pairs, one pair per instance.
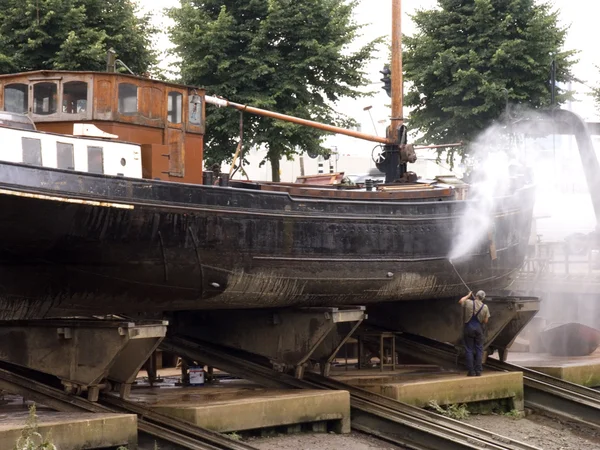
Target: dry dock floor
{"points": [[237, 405], [67, 431], [584, 370], [421, 386]]}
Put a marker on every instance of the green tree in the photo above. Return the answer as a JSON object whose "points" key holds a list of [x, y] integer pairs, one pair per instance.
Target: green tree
{"points": [[470, 57], [289, 56], [73, 35], [596, 94]]}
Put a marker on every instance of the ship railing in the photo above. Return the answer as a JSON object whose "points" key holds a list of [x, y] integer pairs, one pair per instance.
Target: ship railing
{"points": [[557, 260]]}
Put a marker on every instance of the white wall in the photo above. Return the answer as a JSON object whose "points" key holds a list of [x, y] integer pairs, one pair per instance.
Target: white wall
{"points": [[114, 153]]}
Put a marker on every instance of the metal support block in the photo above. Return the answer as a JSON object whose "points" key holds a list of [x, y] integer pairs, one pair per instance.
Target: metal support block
{"points": [[510, 313], [124, 390], [287, 337], [82, 353], [93, 393]]}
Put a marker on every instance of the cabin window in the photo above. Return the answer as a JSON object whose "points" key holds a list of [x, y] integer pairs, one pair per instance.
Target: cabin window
{"points": [[74, 97], [65, 158], [44, 98], [15, 98], [95, 160], [128, 103], [32, 151], [174, 107], [195, 109]]}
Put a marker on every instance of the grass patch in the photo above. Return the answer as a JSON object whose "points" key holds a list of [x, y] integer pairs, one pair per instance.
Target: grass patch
{"points": [[458, 412], [514, 414], [234, 436], [31, 438]]}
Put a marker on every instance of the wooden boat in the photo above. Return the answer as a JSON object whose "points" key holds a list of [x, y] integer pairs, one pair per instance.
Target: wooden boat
{"points": [[98, 225], [137, 231]]}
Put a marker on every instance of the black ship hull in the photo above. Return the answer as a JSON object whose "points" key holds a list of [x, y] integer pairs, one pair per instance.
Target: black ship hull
{"points": [[76, 243]]}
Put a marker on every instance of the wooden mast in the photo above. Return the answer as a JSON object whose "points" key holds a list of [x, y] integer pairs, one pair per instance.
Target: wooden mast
{"points": [[396, 70], [218, 101]]}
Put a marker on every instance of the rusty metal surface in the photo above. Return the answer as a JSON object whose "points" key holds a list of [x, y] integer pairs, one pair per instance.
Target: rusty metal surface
{"points": [[366, 195], [150, 163], [4, 78], [104, 100], [148, 125], [317, 192]]}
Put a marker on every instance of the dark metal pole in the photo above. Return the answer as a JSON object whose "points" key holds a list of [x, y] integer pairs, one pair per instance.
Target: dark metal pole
{"points": [[553, 81], [111, 59]]}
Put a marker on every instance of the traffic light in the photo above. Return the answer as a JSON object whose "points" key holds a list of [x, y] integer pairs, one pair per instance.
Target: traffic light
{"points": [[387, 80]]}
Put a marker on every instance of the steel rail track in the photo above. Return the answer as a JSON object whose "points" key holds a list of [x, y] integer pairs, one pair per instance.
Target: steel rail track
{"points": [[371, 413], [542, 392], [150, 422]]}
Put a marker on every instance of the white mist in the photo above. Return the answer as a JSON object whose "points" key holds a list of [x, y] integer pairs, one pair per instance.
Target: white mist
{"points": [[490, 180]]}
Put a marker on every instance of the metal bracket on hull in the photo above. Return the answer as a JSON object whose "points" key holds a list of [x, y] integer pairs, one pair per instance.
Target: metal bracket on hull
{"points": [[86, 355]]}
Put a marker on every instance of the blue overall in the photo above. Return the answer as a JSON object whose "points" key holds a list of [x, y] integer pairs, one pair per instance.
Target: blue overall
{"points": [[473, 337]]}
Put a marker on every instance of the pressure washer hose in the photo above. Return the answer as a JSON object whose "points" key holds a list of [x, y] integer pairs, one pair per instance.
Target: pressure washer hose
{"points": [[461, 278]]}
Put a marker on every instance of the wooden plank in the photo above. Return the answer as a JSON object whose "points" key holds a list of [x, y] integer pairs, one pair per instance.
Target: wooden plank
{"points": [[176, 152]]}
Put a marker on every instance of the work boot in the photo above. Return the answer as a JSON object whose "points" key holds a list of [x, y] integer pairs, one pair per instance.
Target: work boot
{"points": [[471, 374]]}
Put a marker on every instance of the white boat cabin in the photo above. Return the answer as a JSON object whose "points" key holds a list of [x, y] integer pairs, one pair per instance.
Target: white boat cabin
{"points": [[22, 143]]}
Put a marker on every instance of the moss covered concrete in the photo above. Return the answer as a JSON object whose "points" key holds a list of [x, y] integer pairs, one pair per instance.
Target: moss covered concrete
{"points": [[73, 431], [448, 389], [260, 409], [583, 374]]}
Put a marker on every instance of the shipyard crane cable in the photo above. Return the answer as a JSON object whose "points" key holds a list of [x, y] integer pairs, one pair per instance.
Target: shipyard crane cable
{"points": [[461, 278]]}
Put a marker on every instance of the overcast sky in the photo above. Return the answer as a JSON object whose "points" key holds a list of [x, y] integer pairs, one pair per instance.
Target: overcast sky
{"points": [[375, 14]]}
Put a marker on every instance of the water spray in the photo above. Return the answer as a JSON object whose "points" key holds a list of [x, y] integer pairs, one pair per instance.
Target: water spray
{"points": [[461, 278]]}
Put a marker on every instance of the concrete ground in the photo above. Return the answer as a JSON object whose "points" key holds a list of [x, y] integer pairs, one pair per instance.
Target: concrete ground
{"points": [[540, 431], [354, 441], [420, 385], [584, 370], [238, 405], [67, 431]]}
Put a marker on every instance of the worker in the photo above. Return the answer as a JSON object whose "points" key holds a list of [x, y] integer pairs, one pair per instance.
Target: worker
{"points": [[475, 315]]}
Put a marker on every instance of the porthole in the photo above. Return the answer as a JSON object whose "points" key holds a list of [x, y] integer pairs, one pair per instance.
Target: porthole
{"points": [[123, 162]]}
